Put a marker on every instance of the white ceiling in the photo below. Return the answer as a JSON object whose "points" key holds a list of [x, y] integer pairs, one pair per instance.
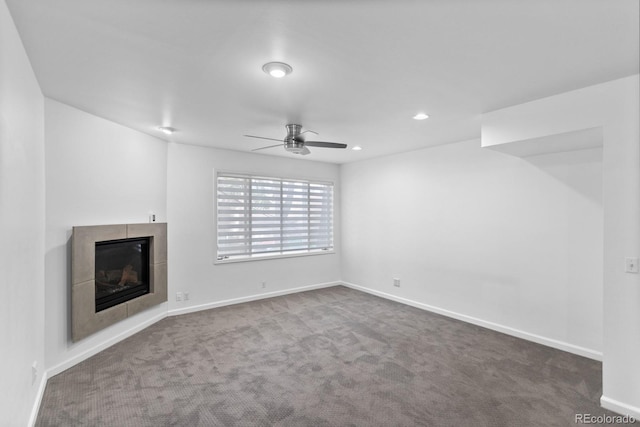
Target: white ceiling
{"points": [[362, 68]]}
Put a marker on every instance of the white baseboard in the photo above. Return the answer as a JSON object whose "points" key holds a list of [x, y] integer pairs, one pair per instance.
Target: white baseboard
{"points": [[249, 298], [36, 405], [619, 407], [550, 342], [103, 345]]}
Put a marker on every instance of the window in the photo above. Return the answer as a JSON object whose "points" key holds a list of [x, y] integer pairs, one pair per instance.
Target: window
{"points": [[259, 217]]}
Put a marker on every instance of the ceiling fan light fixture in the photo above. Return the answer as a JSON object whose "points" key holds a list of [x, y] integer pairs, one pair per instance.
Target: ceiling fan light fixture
{"points": [[167, 130], [357, 148], [277, 69], [420, 116], [296, 150]]}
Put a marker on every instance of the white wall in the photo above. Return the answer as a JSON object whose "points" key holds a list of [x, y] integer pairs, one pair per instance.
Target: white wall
{"points": [[515, 242], [614, 106], [21, 228], [511, 243], [192, 233], [97, 172], [621, 369]]}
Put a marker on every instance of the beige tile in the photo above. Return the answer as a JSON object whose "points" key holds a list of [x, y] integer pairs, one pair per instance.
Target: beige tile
{"points": [[83, 248], [84, 319], [159, 279], [158, 293], [158, 230]]}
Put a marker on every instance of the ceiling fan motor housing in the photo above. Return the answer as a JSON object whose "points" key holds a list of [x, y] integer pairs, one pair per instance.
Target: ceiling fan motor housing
{"points": [[293, 130], [293, 142], [294, 145]]}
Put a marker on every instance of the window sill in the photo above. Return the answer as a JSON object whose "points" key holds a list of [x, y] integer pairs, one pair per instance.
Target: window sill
{"points": [[269, 257]]}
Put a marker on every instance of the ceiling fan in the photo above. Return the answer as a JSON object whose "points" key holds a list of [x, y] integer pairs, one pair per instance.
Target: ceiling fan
{"points": [[295, 142]]}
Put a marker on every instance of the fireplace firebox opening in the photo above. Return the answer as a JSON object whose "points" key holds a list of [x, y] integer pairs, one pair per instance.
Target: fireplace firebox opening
{"points": [[121, 271]]}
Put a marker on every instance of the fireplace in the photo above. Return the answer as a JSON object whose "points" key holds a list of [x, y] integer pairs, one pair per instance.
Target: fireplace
{"points": [[122, 271], [117, 271]]}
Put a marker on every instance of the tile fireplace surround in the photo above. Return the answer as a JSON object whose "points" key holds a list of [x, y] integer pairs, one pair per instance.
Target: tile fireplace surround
{"points": [[84, 319]]}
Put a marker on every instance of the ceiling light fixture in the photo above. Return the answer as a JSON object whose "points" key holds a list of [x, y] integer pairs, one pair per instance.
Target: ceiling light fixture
{"points": [[277, 69], [166, 130], [357, 148], [421, 116]]}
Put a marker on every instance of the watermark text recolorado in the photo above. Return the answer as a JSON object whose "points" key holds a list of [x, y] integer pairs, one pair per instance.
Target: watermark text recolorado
{"points": [[604, 419]]}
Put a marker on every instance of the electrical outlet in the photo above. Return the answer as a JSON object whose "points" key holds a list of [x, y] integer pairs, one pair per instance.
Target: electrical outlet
{"points": [[185, 296], [396, 282], [264, 285], [179, 296], [34, 372], [152, 217], [631, 265]]}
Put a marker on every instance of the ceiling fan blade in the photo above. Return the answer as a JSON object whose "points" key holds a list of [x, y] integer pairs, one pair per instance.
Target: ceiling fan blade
{"points": [[325, 144], [268, 146], [310, 131], [262, 137]]}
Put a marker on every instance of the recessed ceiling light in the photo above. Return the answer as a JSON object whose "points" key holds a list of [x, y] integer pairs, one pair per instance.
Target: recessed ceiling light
{"points": [[357, 148], [277, 69], [421, 116], [166, 130]]}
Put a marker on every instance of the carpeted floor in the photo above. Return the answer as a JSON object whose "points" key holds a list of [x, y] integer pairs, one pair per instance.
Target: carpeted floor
{"points": [[330, 357]]}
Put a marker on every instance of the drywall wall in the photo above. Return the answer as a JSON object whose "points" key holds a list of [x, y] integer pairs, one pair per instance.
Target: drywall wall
{"points": [[496, 239], [97, 172], [621, 370], [614, 106], [192, 235], [21, 228]]}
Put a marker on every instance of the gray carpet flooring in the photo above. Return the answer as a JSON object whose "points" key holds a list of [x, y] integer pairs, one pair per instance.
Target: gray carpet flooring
{"points": [[329, 357]]}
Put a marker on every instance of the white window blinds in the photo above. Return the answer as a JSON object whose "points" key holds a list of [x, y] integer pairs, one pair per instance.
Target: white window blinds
{"points": [[258, 216]]}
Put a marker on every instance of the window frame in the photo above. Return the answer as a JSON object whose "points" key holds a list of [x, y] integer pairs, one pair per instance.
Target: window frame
{"points": [[272, 255]]}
